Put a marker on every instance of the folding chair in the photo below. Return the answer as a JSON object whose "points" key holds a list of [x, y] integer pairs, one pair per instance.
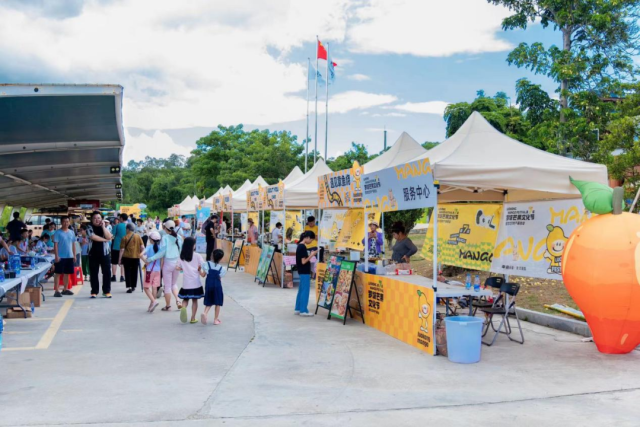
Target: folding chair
{"points": [[509, 291], [491, 282]]}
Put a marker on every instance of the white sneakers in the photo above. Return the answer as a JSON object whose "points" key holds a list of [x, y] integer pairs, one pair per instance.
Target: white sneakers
{"points": [[306, 314]]}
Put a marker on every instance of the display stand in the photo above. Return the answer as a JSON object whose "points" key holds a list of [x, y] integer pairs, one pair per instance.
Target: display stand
{"points": [[237, 247], [346, 268], [273, 270]]}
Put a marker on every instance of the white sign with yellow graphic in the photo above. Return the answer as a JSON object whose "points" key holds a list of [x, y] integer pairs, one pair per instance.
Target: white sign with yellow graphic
{"points": [[532, 237], [351, 234], [330, 226]]}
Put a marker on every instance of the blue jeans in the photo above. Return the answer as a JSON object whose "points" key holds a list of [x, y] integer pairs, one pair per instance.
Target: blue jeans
{"points": [[302, 300]]}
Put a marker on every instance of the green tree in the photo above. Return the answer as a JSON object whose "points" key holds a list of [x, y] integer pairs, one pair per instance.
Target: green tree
{"points": [[408, 218], [599, 39], [345, 161], [429, 145]]}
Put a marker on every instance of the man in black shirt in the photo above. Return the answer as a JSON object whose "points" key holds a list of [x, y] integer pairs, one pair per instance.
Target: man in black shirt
{"points": [[15, 226], [99, 257], [303, 264], [210, 231]]}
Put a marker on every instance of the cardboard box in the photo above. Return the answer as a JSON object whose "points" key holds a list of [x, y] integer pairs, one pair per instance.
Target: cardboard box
{"points": [[13, 313], [35, 296]]}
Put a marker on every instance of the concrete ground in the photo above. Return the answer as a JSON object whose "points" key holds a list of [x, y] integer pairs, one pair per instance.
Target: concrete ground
{"points": [[108, 362]]}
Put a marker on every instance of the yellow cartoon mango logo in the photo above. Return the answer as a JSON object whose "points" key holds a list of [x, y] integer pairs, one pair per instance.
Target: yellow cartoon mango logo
{"points": [[556, 241], [424, 311]]}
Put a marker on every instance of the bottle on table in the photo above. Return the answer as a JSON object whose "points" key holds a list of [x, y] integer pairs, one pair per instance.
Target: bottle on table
{"points": [[1, 275], [33, 263], [467, 283], [476, 283]]}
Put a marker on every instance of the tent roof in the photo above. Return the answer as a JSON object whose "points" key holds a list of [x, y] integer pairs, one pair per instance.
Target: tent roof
{"points": [[239, 199], [59, 142], [210, 199], [403, 150], [303, 193], [479, 163], [188, 205], [293, 176]]}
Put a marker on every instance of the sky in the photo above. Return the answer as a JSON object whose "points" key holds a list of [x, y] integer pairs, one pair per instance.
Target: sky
{"points": [[187, 67]]}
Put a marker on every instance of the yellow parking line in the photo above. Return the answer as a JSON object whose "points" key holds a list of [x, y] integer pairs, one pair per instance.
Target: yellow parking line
{"points": [[30, 319], [50, 334], [17, 349]]}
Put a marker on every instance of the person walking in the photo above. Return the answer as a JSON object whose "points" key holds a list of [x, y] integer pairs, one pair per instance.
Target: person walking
{"points": [[210, 230], [84, 251], [169, 253], [152, 274], [131, 247], [303, 264], [15, 226], [141, 230], [190, 264], [213, 295], [64, 248], [118, 233], [99, 255]]}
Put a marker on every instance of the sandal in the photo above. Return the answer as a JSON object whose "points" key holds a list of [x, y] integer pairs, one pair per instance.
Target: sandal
{"points": [[193, 321], [167, 308], [216, 322], [179, 305]]}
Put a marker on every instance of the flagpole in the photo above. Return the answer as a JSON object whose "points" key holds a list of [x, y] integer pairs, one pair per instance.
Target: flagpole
{"points": [[315, 138], [326, 113], [306, 136]]}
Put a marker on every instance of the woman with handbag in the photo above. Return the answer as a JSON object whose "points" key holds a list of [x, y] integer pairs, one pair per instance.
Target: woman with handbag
{"points": [[169, 255], [131, 247]]}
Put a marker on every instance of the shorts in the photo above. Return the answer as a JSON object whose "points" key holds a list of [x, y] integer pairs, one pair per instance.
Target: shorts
{"points": [[115, 256], [64, 266], [155, 280]]}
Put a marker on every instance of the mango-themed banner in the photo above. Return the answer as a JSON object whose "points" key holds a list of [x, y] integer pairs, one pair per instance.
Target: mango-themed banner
{"points": [[467, 235], [341, 189], [533, 236], [254, 201], [226, 202], [402, 187], [293, 225], [275, 196], [330, 226], [217, 204], [353, 229], [400, 309]]}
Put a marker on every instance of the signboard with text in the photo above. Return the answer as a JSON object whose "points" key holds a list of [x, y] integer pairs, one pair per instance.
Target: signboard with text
{"points": [[341, 189], [275, 196]]}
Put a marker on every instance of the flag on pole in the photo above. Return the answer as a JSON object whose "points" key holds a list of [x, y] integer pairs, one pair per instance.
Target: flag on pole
{"points": [[323, 57]]}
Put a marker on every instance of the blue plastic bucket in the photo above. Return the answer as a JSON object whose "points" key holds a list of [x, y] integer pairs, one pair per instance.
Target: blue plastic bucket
{"points": [[464, 338]]}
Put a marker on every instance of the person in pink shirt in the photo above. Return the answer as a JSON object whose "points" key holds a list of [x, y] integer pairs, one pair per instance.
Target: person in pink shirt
{"points": [[252, 233], [190, 264]]}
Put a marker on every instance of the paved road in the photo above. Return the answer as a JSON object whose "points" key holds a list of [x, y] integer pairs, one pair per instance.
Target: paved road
{"points": [[111, 363]]}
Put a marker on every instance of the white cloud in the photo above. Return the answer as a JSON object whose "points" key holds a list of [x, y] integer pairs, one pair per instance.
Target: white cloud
{"points": [[429, 107], [352, 100], [359, 77], [204, 63], [158, 145], [427, 28]]}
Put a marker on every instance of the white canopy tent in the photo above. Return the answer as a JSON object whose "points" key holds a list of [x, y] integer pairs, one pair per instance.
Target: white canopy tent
{"points": [[293, 176], [303, 193], [239, 199], [403, 150], [480, 163], [188, 205]]}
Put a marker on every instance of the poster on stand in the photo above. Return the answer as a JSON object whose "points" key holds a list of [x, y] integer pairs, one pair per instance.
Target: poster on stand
{"points": [[351, 234], [201, 243], [343, 290], [533, 235], [265, 262], [234, 259], [201, 216], [330, 226], [329, 282], [341, 189], [467, 235], [402, 187]]}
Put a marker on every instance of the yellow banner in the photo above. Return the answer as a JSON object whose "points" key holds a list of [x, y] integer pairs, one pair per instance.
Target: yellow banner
{"points": [[275, 196], [341, 189], [130, 210], [217, 204], [352, 231], [467, 235], [400, 309]]}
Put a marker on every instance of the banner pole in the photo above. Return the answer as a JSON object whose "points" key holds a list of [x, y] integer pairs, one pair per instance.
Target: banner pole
{"points": [[384, 240], [315, 138], [435, 244], [284, 242], [366, 243], [326, 108], [306, 135]]}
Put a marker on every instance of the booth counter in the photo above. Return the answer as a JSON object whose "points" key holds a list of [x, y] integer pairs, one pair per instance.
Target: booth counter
{"points": [[401, 306]]}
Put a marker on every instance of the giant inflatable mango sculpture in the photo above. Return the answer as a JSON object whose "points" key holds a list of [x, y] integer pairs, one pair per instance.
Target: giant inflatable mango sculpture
{"points": [[601, 269]]}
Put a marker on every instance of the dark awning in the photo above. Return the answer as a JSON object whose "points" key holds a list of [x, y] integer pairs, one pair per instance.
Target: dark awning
{"points": [[59, 142]]}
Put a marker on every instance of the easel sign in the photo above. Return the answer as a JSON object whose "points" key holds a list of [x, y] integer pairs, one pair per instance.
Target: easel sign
{"points": [[344, 286], [266, 265], [329, 283], [236, 251]]}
